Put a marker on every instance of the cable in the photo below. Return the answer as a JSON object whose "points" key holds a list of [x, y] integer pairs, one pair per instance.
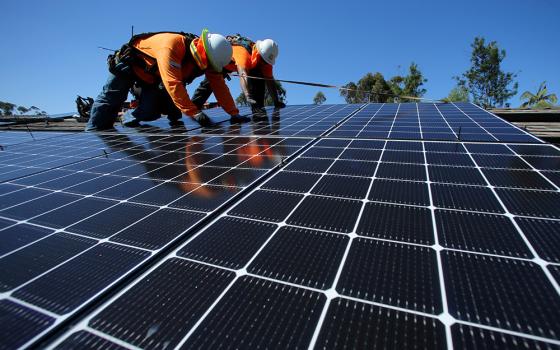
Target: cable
{"points": [[337, 87]]}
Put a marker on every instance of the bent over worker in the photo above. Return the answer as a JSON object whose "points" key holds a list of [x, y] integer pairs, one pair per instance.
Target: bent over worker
{"points": [[249, 59], [164, 60]]}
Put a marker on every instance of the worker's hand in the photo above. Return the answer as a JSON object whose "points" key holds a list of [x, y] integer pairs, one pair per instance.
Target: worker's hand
{"points": [[279, 104], [250, 101], [203, 119], [256, 109], [239, 119]]}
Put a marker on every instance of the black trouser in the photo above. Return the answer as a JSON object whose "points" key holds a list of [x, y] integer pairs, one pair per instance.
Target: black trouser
{"points": [[154, 100], [256, 89]]}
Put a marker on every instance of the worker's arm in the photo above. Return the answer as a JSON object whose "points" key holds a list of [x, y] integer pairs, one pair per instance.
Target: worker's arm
{"points": [[221, 91], [243, 82], [169, 64], [271, 86]]}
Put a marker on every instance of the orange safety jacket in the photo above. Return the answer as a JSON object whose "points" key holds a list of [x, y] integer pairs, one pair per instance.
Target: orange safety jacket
{"points": [[175, 68], [249, 61]]}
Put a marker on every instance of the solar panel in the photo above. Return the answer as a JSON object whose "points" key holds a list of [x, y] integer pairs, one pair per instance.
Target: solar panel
{"points": [[399, 225]]}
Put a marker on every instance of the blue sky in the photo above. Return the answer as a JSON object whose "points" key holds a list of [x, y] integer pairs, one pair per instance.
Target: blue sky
{"points": [[50, 54]]}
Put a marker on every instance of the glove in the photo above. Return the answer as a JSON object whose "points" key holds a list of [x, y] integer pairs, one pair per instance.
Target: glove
{"points": [[239, 119], [256, 109], [203, 119], [279, 104]]}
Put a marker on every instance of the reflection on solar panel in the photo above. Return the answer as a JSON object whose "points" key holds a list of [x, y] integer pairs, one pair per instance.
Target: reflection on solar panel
{"points": [[384, 225]]}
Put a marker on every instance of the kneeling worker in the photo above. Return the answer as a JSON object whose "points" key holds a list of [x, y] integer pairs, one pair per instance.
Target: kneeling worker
{"points": [[253, 59], [165, 59]]}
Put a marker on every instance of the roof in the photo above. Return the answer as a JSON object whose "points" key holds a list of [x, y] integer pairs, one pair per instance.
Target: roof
{"points": [[376, 225]]}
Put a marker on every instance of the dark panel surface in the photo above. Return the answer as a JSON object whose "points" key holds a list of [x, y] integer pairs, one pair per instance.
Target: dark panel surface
{"points": [[257, 313], [354, 325], [531, 203], [468, 337], [517, 179], [299, 256], [35, 259], [205, 198], [544, 236], [353, 168], [504, 293], [19, 235], [176, 294], [267, 205], [291, 182], [111, 221], [396, 222], [393, 274], [20, 324], [466, 198], [413, 172], [87, 341], [38, 206], [229, 242], [158, 229], [72, 213], [342, 186], [400, 192], [58, 290], [456, 175], [477, 232], [333, 214]]}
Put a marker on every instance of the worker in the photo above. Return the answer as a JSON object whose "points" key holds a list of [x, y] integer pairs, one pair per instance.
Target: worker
{"points": [[249, 59], [162, 63]]}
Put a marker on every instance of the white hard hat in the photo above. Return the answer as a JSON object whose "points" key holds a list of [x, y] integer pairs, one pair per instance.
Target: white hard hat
{"points": [[268, 49], [218, 50]]}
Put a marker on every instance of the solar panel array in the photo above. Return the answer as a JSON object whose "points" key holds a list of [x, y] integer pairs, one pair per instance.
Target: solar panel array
{"points": [[382, 225]]}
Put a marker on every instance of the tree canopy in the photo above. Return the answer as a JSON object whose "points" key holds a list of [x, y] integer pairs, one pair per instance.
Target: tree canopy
{"points": [[458, 94], [9, 109], [319, 98], [373, 87], [540, 99], [485, 80]]}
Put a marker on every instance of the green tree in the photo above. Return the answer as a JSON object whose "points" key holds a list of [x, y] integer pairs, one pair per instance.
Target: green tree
{"points": [[7, 108], [22, 109], [319, 98], [268, 101], [541, 99], [241, 100], [458, 94], [488, 84], [374, 88], [409, 85], [370, 88]]}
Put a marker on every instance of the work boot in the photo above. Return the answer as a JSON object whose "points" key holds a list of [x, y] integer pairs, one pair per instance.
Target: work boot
{"points": [[237, 119], [134, 123], [203, 119]]}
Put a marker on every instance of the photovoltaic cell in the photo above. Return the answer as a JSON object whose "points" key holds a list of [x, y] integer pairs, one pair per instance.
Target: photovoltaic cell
{"points": [[305, 257], [497, 293], [393, 274], [192, 287], [89, 341], [20, 324], [369, 326], [229, 242], [57, 291], [290, 314], [468, 337], [396, 222]]}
